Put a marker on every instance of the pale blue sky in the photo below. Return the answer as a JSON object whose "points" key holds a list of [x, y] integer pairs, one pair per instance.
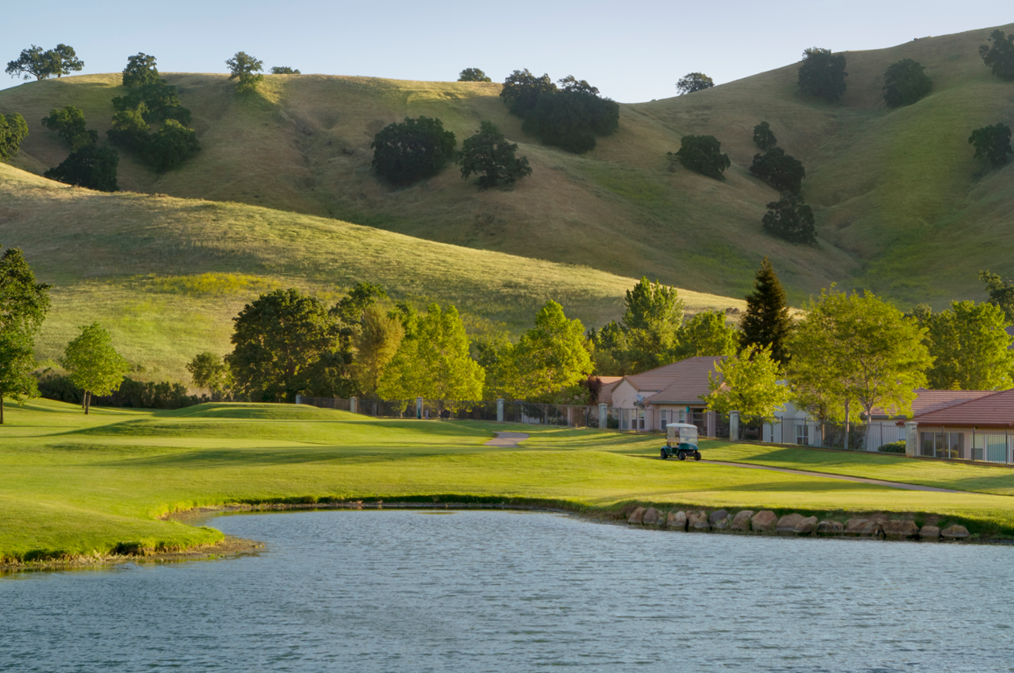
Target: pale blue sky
{"points": [[632, 51]]}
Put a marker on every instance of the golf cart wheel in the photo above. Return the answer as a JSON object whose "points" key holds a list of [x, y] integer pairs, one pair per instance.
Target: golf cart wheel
{"points": [[697, 455], [664, 455], [681, 454]]}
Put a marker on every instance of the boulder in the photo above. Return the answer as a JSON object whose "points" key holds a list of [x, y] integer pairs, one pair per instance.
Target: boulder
{"points": [[954, 532], [929, 533], [742, 520], [862, 527], [650, 517], [900, 530], [787, 524], [698, 521], [717, 515], [830, 528], [764, 522], [806, 526], [676, 521], [637, 516]]}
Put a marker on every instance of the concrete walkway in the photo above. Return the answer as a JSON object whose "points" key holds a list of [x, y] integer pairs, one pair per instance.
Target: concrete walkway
{"points": [[825, 475], [507, 440]]}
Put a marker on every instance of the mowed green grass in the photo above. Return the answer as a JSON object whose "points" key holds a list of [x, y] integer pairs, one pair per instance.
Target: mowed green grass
{"points": [[891, 188], [166, 275], [76, 485]]}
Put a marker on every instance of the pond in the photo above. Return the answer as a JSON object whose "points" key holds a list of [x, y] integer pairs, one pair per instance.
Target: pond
{"points": [[473, 591]]}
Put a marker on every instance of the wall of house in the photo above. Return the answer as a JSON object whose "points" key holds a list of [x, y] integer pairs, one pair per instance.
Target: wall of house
{"points": [[989, 445]]}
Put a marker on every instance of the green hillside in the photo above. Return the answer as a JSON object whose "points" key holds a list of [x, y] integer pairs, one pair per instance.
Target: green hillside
{"points": [[902, 207], [167, 275]]}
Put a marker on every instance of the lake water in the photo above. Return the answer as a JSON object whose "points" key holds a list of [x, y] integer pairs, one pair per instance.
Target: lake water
{"points": [[481, 591]]}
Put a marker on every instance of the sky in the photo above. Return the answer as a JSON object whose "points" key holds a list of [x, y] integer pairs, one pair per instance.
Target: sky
{"points": [[632, 52]]}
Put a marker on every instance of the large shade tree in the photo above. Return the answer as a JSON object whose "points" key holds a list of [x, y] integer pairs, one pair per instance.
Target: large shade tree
{"points": [[971, 348], [822, 74], [23, 307]]}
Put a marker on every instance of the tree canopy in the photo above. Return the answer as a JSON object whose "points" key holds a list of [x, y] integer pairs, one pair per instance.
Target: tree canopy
{"points": [[703, 154], [822, 74], [412, 150], [375, 345], [473, 75], [245, 69], [13, 129], [992, 144], [970, 347], [140, 71], [905, 82], [521, 91], [34, 62], [767, 321], [23, 307], [69, 123], [706, 333], [89, 166], [763, 137], [210, 372], [284, 70], [1000, 56], [783, 172], [694, 81], [790, 219], [747, 382], [489, 154], [94, 365], [1001, 293]]}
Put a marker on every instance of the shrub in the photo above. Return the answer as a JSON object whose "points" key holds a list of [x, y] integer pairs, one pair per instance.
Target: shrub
{"points": [[131, 393], [893, 447]]}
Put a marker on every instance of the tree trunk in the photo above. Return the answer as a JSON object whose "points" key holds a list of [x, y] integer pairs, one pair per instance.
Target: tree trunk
{"points": [[87, 401], [1, 409], [848, 403]]}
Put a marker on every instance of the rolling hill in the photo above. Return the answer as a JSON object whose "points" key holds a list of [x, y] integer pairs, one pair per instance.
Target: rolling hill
{"points": [[902, 206], [166, 275]]}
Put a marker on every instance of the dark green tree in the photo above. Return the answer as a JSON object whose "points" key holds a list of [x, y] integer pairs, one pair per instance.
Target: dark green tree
{"points": [[822, 74], [999, 57], [280, 342], [88, 166], [69, 123], [13, 129], [703, 154], [171, 146], [767, 321], [763, 137], [791, 219], [522, 90], [130, 130], [1001, 292], [284, 70], [572, 116], [34, 62], [489, 154], [140, 70], [23, 307], [160, 102], [905, 83], [412, 150], [694, 81], [245, 68], [992, 143], [210, 372], [473, 75], [778, 169]]}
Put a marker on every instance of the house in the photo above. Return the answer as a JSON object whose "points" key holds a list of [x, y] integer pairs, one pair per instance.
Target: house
{"points": [[981, 428], [668, 394]]}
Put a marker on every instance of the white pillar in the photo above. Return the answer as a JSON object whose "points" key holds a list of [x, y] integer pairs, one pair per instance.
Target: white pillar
{"points": [[418, 407], [734, 425], [354, 405], [499, 410], [911, 439], [813, 433], [603, 415]]}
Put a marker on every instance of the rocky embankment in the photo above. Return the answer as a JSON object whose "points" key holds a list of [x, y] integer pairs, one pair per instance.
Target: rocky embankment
{"points": [[766, 522]]}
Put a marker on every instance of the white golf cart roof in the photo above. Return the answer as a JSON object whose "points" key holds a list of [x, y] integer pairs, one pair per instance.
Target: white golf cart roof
{"points": [[682, 425]]}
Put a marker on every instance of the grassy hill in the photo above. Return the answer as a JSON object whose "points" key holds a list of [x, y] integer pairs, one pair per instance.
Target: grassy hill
{"points": [[167, 275], [902, 207]]}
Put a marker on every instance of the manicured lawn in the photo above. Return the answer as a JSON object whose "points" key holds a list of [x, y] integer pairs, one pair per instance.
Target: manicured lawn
{"points": [[78, 485]]}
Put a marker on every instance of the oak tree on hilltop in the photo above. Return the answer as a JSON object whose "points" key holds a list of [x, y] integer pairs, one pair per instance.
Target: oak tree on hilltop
{"points": [[284, 70], [522, 90], [822, 74], [245, 69], [694, 81], [1000, 56], [473, 75], [34, 62], [140, 70]]}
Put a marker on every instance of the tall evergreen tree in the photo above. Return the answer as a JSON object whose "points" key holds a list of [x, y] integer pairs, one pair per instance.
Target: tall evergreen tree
{"points": [[767, 321]]}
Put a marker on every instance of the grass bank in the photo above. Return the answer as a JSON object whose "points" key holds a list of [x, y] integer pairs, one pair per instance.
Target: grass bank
{"points": [[77, 486]]}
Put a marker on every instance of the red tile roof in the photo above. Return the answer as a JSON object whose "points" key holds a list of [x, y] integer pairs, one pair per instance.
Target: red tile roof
{"points": [[991, 410], [933, 400]]}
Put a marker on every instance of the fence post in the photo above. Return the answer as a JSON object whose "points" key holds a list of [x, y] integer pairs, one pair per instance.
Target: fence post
{"points": [[418, 408], [499, 410], [911, 439], [603, 415], [734, 425], [354, 405]]}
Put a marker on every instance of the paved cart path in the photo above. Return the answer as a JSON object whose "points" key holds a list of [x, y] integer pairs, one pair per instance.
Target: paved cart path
{"points": [[861, 480], [507, 440]]}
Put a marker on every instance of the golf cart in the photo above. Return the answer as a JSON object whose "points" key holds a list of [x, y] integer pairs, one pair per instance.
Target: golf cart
{"points": [[681, 441]]}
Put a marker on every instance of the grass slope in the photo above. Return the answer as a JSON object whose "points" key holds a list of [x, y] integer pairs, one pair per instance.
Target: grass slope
{"points": [[167, 275], [76, 485], [892, 188]]}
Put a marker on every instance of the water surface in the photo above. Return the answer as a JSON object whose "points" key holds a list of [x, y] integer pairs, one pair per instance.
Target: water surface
{"points": [[506, 591]]}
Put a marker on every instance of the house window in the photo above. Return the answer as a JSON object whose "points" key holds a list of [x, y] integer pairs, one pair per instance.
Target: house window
{"points": [[942, 444], [802, 434], [663, 415]]}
